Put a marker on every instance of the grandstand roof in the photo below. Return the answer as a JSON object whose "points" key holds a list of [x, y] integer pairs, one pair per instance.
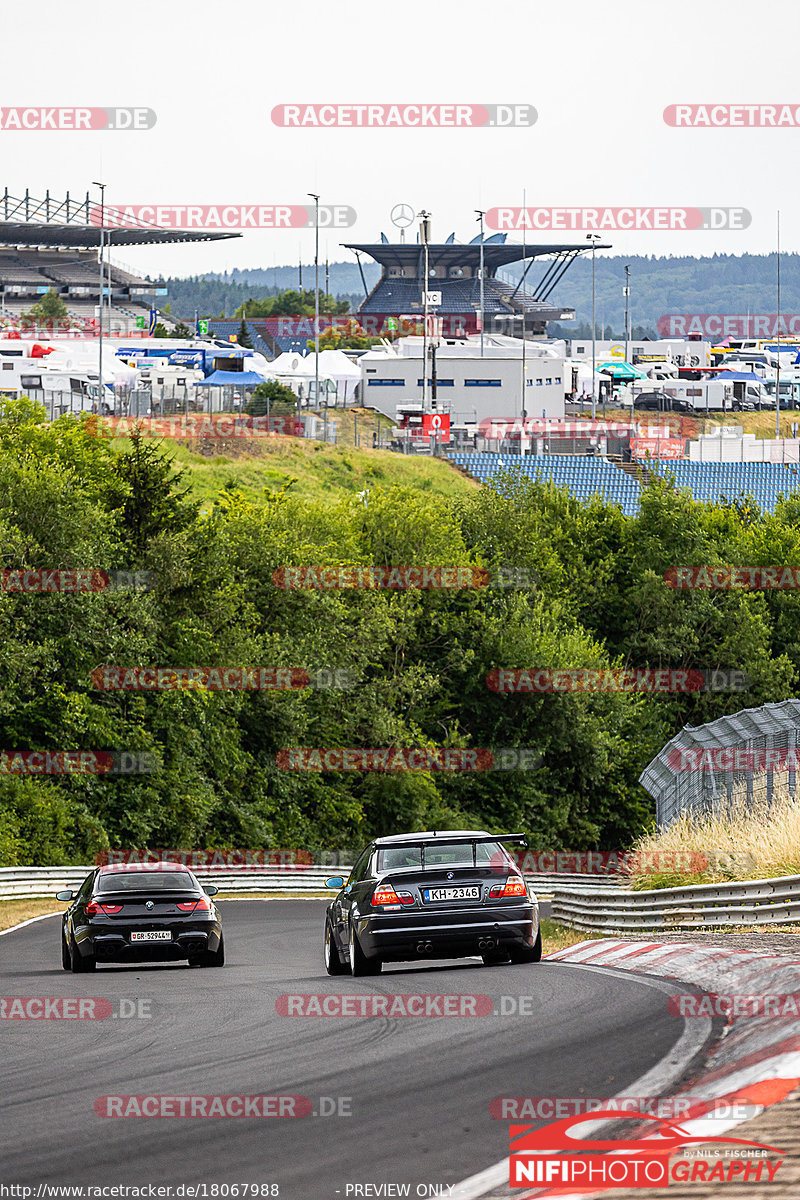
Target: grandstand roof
{"points": [[448, 254], [85, 237], [75, 223]]}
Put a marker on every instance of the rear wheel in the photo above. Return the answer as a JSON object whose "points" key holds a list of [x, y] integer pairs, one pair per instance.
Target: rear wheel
{"points": [[78, 964], [359, 963], [527, 954], [66, 962], [493, 958], [333, 962], [211, 958]]}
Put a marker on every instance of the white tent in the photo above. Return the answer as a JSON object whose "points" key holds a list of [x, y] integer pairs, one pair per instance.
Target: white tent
{"points": [[335, 365]]}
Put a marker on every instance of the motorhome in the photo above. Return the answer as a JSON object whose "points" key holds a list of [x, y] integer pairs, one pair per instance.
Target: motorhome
{"points": [[61, 391], [714, 395]]}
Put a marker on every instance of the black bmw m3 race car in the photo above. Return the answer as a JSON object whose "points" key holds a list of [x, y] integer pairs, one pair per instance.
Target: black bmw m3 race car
{"points": [[448, 894]]}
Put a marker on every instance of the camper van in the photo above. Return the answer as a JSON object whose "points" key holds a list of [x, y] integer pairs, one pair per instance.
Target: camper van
{"points": [[715, 395], [61, 391]]}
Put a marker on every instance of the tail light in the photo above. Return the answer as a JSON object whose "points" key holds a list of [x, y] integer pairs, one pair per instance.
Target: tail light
{"points": [[93, 909], [201, 905], [385, 896], [514, 886]]}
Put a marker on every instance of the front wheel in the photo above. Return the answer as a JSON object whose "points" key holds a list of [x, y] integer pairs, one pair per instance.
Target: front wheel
{"points": [[527, 954], [333, 962], [359, 963]]}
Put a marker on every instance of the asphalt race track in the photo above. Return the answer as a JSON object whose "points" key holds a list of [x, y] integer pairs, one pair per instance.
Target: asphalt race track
{"points": [[418, 1088]]}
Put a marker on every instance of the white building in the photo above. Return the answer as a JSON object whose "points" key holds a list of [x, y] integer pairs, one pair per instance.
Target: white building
{"points": [[469, 386], [681, 351]]}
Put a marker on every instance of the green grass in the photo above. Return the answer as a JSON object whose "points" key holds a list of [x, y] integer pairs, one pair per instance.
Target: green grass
{"points": [[311, 469]]}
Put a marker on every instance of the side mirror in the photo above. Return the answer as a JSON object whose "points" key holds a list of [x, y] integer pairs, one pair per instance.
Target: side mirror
{"points": [[64, 895], [210, 889], [335, 881]]}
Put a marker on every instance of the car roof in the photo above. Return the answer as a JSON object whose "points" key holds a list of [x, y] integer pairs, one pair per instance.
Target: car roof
{"points": [[137, 868]]}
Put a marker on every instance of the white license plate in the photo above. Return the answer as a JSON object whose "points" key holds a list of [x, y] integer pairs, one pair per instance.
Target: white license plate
{"points": [[452, 893], [152, 935]]}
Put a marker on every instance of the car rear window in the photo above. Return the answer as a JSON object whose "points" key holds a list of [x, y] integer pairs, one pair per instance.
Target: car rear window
{"points": [[146, 881], [441, 854]]}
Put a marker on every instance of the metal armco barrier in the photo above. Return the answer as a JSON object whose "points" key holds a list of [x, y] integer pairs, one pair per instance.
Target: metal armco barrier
{"points": [[615, 909], [24, 883]]}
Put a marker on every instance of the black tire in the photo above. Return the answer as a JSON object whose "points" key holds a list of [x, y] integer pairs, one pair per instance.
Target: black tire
{"points": [[66, 961], [359, 963], [212, 958], [527, 954], [77, 963], [333, 962]]}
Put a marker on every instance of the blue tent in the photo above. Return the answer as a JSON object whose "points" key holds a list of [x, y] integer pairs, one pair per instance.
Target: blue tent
{"points": [[244, 379], [739, 377]]}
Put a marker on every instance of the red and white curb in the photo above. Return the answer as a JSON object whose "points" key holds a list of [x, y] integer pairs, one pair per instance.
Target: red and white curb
{"points": [[756, 1061]]}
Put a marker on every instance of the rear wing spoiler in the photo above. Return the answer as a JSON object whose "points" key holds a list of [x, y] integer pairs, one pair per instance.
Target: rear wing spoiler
{"points": [[520, 838]]}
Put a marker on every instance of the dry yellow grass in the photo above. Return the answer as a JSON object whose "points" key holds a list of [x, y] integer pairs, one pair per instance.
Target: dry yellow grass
{"points": [[14, 911], [746, 840]]}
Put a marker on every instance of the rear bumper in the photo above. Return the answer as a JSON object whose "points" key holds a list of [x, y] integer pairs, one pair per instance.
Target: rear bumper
{"points": [[403, 936], [110, 945]]}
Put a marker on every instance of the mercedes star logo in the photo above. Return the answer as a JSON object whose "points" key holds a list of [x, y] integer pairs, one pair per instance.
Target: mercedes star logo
{"points": [[402, 215]]}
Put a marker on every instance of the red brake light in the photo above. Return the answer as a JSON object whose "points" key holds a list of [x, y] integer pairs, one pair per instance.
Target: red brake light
{"points": [[93, 908], [514, 886], [385, 894], [111, 908], [201, 905]]}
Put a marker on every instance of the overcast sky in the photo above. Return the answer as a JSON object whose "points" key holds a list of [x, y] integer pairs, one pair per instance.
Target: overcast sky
{"points": [[599, 75]]}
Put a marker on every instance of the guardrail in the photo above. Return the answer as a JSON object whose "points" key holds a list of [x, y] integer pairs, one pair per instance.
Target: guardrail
{"points": [[744, 902], [27, 883]]}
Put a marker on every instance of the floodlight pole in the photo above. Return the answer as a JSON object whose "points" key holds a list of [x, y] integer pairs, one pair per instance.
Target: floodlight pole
{"points": [[627, 309], [778, 373], [481, 215], [424, 230], [592, 237], [102, 187], [315, 198]]}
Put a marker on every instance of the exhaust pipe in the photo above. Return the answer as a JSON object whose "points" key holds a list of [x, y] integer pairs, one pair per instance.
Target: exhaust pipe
{"points": [[485, 943], [424, 947]]}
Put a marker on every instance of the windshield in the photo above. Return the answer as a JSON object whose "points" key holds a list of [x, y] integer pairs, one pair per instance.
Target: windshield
{"points": [[145, 881], [441, 854]]}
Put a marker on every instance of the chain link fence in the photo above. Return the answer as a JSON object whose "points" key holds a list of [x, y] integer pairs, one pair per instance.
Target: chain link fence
{"points": [[746, 759]]}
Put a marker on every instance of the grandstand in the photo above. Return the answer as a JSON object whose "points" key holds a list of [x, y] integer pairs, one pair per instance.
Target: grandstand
{"points": [[587, 477], [53, 245], [454, 270]]}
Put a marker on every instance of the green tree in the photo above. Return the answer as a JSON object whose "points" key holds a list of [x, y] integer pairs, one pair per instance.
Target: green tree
{"points": [[160, 330], [243, 336], [50, 308], [282, 400], [181, 330], [155, 500]]}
